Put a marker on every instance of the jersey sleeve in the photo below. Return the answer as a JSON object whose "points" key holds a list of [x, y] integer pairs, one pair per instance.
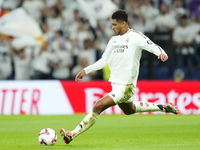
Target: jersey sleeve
{"points": [[102, 62], [146, 44]]}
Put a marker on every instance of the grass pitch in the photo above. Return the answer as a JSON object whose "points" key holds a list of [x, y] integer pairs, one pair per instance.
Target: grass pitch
{"points": [[111, 132]]}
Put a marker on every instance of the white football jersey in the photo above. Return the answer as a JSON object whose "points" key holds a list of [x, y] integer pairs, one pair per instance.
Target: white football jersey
{"points": [[123, 54]]}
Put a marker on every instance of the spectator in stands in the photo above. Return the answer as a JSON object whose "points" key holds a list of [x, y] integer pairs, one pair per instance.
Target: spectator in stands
{"points": [[57, 40], [62, 64], [69, 46], [177, 9], [54, 19], [82, 63], [90, 54], [150, 17], [42, 63], [137, 17], [81, 33], [66, 8], [184, 40], [165, 22], [71, 23], [21, 60], [88, 51], [78, 37], [103, 34], [48, 34], [195, 27], [5, 60]]}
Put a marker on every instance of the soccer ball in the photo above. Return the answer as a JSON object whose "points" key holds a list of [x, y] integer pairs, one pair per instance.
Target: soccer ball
{"points": [[47, 136]]}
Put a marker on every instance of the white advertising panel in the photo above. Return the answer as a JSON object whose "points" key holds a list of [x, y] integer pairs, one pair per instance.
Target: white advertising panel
{"points": [[33, 97]]}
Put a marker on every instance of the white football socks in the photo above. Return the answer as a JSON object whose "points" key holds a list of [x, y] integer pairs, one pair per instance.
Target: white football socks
{"points": [[148, 107], [87, 122]]}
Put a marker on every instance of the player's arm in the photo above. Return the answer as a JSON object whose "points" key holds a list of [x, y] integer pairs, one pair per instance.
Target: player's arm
{"points": [[146, 44], [101, 63]]}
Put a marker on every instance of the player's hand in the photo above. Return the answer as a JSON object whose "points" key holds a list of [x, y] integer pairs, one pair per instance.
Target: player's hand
{"points": [[163, 57], [80, 75]]}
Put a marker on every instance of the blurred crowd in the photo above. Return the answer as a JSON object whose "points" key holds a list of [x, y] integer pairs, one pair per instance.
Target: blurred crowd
{"points": [[72, 42]]}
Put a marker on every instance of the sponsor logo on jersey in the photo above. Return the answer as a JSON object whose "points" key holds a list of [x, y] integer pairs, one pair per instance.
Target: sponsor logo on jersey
{"points": [[119, 48]]}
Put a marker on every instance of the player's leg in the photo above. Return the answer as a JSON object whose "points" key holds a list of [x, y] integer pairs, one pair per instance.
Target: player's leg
{"points": [[127, 108], [152, 107], [122, 95], [130, 108], [89, 119]]}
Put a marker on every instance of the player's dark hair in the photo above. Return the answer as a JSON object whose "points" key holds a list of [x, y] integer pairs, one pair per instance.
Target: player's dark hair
{"points": [[120, 15], [184, 17]]}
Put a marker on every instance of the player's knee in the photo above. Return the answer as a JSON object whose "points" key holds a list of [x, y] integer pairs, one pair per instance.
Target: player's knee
{"points": [[130, 111], [98, 107]]}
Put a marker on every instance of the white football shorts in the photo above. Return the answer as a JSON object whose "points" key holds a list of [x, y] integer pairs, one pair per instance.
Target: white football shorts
{"points": [[122, 93]]}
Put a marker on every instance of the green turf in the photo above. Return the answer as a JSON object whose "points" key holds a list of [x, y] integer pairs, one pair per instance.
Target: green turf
{"points": [[111, 132]]}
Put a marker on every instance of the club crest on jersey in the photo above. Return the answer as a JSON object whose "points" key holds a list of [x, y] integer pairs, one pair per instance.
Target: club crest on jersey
{"points": [[127, 40]]}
